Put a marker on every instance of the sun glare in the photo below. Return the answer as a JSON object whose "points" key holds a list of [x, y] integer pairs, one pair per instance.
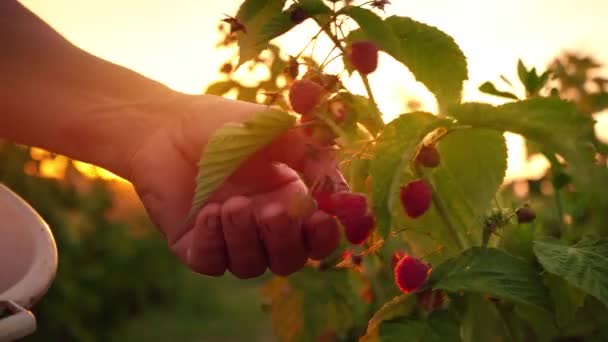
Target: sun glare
{"points": [[174, 42]]}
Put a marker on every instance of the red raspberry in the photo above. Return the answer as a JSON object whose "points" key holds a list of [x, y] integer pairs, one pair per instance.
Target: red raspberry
{"points": [[364, 56], [341, 204], [428, 156], [431, 300], [347, 203], [304, 96], [416, 198], [410, 273], [324, 201], [357, 229]]}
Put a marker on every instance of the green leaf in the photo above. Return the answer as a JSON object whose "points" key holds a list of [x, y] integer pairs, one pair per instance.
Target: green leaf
{"points": [[256, 15], [473, 165], [567, 299], [315, 7], [441, 326], [230, 146], [375, 29], [395, 148], [493, 272], [281, 22], [431, 55], [220, 88], [552, 123], [522, 72], [399, 306], [489, 88], [584, 265], [362, 110], [491, 327]]}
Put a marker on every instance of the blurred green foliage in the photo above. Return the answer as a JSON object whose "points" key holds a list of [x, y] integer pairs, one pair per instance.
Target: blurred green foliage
{"points": [[117, 280]]}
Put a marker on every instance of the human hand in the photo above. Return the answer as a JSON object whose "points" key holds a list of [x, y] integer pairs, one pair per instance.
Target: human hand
{"points": [[245, 226]]}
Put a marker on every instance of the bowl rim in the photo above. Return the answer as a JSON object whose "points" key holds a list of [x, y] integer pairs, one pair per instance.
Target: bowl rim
{"points": [[36, 281]]}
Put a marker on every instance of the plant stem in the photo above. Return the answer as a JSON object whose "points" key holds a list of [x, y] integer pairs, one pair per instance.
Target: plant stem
{"points": [[370, 94]]}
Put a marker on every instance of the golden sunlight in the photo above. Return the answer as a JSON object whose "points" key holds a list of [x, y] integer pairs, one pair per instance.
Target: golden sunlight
{"points": [[174, 42]]}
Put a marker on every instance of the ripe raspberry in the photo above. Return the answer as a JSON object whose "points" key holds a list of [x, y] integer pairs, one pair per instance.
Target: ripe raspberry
{"points": [[324, 201], [416, 198], [410, 274], [428, 156], [357, 229], [304, 96], [347, 203], [364, 56], [431, 300], [525, 214]]}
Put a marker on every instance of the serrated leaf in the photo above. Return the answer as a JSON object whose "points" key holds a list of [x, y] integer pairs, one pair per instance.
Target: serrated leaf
{"points": [[230, 146], [493, 272], [441, 326], [584, 265], [567, 299], [375, 29], [472, 168], [431, 55], [395, 148], [255, 15], [489, 88], [552, 123]]}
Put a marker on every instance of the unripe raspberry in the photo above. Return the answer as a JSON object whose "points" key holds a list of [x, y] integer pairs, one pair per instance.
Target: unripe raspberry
{"points": [[410, 274], [304, 96], [431, 300], [416, 198], [428, 156], [364, 56], [357, 229], [525, 214]]}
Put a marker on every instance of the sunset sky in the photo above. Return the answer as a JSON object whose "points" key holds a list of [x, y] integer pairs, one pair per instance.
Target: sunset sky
{"points": [[173, 41]]}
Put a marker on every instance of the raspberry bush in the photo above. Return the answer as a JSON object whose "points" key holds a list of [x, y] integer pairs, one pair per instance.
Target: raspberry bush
{"points": [[433, 249]]}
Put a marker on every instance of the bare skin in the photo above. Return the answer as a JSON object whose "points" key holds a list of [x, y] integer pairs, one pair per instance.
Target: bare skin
{"points": [[63, 99]]}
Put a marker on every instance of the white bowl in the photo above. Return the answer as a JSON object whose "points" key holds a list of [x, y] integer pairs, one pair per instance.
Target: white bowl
{"points": [[28, 260]]}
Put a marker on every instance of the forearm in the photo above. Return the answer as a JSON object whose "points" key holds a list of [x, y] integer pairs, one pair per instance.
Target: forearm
{"points": [[53, 94]]}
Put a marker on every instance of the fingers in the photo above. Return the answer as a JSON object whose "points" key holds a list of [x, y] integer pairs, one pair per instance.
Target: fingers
{"points": [[246, 257], [322, 235], [207, 254], [283, 239]]}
